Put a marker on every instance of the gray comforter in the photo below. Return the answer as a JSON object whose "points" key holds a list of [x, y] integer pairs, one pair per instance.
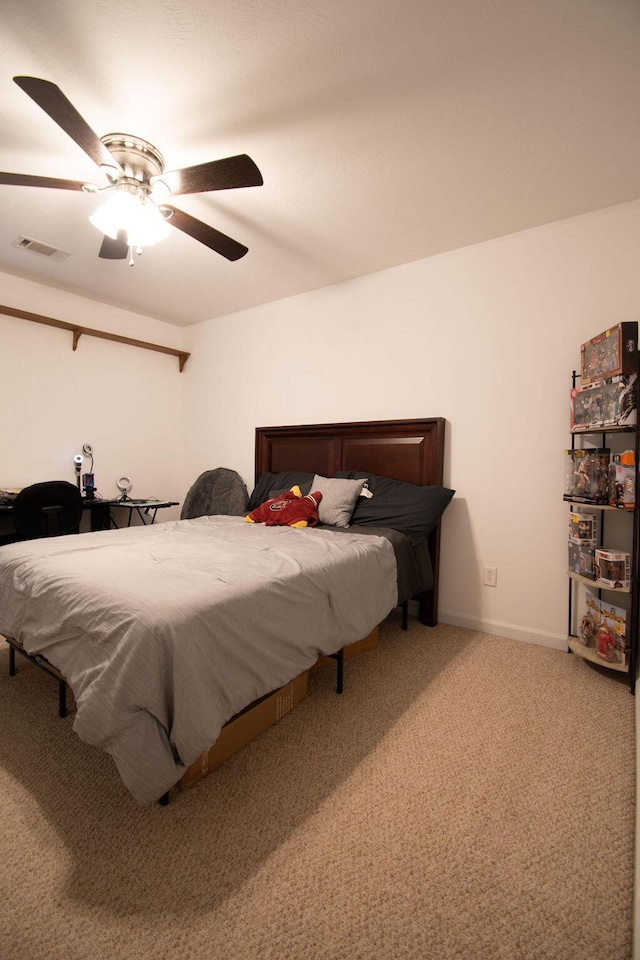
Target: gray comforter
{"points": [[165, 632]]}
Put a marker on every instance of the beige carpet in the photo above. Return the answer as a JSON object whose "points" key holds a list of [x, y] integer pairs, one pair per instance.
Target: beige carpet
{"points": [[467, 797]]}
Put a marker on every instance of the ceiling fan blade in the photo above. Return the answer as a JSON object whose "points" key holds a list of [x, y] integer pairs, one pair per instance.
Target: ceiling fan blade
{"points": [[220, 242], [226, 174], [52, 100], [24, 180], [115, 249]]}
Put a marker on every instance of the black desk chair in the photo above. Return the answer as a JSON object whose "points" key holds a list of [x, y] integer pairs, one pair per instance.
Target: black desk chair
{"points": [[49, 509]]}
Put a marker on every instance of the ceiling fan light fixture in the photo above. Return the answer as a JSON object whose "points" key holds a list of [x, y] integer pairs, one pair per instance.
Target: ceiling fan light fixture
{"points": [[138, 216], [114, 214], [147, 225]]}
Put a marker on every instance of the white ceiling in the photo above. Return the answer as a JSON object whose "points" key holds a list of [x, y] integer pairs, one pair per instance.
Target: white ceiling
{"points": [[386, 131]]}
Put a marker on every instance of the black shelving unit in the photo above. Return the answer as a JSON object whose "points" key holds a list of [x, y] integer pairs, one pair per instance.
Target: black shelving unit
{"points": [[633, 516]]}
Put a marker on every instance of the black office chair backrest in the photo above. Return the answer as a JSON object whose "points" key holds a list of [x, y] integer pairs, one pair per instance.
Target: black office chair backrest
{"points": [[215, 491], [48, 509]]}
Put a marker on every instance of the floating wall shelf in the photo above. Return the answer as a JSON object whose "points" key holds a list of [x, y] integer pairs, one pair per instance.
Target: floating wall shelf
{"points": [[79, 331]]}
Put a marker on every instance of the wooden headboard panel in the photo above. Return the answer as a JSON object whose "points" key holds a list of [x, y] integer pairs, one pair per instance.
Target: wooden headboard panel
{"points": [[410, 450]]}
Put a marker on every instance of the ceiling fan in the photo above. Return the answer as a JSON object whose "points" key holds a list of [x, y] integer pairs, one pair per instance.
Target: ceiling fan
{"points": [[136, 213]]}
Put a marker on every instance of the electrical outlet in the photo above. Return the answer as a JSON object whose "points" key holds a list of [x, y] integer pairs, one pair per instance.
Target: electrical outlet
{"points": [[490, 576]]}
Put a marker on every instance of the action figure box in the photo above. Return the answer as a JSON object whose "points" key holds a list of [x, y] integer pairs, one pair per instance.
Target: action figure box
{"points": [[604, 627], [589, 621], [612, 352], [582, 560], [613, 568], [586, 475], [585, 406], [622, 480], [611, 635], [605, 403], [583, 528]]}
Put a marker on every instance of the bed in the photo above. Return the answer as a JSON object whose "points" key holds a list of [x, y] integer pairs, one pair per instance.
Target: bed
{"points": [[167, 634]]}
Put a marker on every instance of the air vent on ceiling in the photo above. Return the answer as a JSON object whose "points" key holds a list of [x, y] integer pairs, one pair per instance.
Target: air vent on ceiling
{"points": [[42, 249]]}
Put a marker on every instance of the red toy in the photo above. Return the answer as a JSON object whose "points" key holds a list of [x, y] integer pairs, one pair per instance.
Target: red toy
{"points": [[290, 509], [605, 643]]}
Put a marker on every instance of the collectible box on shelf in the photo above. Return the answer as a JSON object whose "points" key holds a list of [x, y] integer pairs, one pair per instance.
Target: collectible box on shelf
{"points": [[611, 636], [582, 560], [605, 403], [612, 352], [613, 568], [590, 621], [603, 626], [583, 528], [586, 475], [622, 480]]}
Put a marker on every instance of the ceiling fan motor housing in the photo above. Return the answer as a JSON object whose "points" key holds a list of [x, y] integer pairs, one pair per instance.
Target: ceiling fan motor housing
{"points": [[138, 159]]}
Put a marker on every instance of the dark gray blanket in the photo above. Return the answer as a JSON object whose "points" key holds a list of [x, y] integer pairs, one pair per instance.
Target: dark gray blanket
{"points": [[415, 573]]}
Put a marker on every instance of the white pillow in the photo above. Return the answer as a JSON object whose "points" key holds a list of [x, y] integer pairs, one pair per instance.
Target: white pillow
{"points": [[338, 499]]}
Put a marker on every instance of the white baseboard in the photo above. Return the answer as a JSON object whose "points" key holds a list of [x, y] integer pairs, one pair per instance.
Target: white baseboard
{"points": [[510, 630]]}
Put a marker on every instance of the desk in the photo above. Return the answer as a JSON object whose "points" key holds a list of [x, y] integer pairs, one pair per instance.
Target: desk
{"points": [[101, 518], [143, 508], [100, 513]]}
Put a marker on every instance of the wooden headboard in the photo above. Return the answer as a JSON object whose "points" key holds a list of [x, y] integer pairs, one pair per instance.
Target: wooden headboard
{"points": [[410, 450]]}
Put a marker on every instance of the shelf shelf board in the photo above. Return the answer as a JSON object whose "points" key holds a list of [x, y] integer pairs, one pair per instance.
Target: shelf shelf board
{"points": [[596, 585], [77, 330], [598, 506], [589, 653], [613, 428]]}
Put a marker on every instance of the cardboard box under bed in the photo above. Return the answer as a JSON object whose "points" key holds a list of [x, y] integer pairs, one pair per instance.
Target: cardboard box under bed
{"points": [[259, 716]]}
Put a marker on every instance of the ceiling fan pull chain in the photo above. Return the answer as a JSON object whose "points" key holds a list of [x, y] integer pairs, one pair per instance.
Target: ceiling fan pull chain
{"points": [[132, 262]]}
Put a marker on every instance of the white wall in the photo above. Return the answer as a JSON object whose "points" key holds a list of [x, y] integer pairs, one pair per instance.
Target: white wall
{"points": [[486, 337], [125, 401]]}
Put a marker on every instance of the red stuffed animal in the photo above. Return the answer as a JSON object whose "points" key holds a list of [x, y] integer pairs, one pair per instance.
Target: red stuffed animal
{"points": [[290, 509]]}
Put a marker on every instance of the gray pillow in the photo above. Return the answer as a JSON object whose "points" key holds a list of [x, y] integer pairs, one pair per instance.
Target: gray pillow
{"points": [[338, 499]]}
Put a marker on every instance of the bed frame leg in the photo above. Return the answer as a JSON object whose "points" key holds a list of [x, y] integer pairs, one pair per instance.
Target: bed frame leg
{"points": [[429, 609], [164, 799], [43, 665], [405, 615], [339, 658], [62, 698]]}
